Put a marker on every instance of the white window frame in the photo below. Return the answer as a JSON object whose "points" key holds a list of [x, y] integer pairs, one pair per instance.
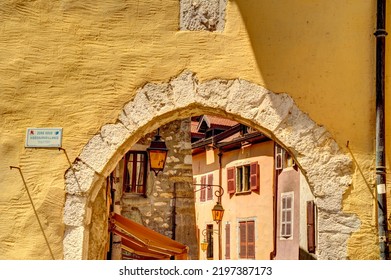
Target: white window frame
{"points": [[285, 211]]}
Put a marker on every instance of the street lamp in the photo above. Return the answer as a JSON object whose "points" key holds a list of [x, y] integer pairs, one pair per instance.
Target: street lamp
{"points": [[157, 153], [217, 214], [205, 244], [218, 210]]}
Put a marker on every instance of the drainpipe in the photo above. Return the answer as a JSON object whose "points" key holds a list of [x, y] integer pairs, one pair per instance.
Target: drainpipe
{"points": [[220, 154], [380, 35]]}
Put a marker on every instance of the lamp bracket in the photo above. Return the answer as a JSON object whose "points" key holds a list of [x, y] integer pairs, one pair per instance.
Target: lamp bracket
{"points": [[218, 193]]}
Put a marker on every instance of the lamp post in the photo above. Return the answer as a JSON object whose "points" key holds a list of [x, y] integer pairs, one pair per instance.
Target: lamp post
{"points": [[217, 213], [157, 154]]}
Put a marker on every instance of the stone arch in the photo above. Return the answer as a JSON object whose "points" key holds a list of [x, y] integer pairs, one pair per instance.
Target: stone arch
{"points": [[328, 170]]}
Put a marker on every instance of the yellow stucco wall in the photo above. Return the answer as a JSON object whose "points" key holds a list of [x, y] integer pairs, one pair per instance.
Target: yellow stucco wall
{"points": [[74, 64]]}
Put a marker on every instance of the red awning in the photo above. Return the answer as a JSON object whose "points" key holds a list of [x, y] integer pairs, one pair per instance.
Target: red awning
{"points": [[142, 241]]}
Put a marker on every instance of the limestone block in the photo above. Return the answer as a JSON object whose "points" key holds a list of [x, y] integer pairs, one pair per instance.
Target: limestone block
{"points": [[184, 88], [244, 98], [114, 134], [97, 153], [273, 110], [150, 101], [74, 210], [79, 178], [337, 222], [208, 15], [214, 93], [332, 246], [302, 136], [130, 125], [188, 159], [73, 243]]}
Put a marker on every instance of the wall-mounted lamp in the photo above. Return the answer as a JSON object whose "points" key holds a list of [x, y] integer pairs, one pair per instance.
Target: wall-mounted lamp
{"points": [[205, 244], [217, 214], [218, 210], [157, 154]]}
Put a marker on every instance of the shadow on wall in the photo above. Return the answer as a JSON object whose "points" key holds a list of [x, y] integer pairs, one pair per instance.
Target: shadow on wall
{"points": [[307, 49]]}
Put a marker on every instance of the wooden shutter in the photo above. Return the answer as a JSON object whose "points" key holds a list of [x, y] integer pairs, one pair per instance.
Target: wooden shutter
{"points": [[210, 189], [242, 240], [203, 190], [254, 176], [251, 240], [311, 226], [227, 241], [231, 186]]}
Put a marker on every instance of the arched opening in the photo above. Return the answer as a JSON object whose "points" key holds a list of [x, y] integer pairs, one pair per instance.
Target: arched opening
{"points": [[327, 169]]}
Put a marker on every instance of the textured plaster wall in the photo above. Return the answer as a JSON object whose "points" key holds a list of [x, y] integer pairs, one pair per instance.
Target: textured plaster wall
{"points": [[75, 64]]}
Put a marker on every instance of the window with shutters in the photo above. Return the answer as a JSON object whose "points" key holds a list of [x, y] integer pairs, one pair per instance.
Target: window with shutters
{"points": [[242, 179], [227, 241], [206, 188], [286, 216], [247, 239], [135, 172], [283, 159], [311, 231]]}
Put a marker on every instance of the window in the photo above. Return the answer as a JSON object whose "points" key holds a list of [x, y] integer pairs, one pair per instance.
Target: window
{"points": [[247, 239], [135, 172], [227, 241], [279, 156], [206, 192], [209, 239], [282, 158], [286, 216], [244, 178]]}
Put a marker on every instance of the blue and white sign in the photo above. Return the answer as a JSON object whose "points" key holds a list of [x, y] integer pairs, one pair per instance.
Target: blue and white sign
{"points": [[43, 138]]}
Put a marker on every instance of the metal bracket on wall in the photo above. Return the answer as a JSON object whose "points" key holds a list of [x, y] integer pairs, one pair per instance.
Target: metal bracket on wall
{"points": [[71, 167], [35, 211]]}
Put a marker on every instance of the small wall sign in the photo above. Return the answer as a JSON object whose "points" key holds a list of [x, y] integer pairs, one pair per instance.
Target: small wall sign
{"points": [[43, 138]]}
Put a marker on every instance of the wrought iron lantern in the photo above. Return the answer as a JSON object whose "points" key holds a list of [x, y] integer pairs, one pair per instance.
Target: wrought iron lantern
{"points": [[218, 213], [204, 245], [157, 154]]}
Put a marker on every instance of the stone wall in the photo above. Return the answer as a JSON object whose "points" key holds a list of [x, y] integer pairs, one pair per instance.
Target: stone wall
{"points": [[208, 15], [162, 209]]}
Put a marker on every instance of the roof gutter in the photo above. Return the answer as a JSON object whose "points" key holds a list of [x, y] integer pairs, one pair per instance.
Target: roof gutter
{"points": [[380, 35]]}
